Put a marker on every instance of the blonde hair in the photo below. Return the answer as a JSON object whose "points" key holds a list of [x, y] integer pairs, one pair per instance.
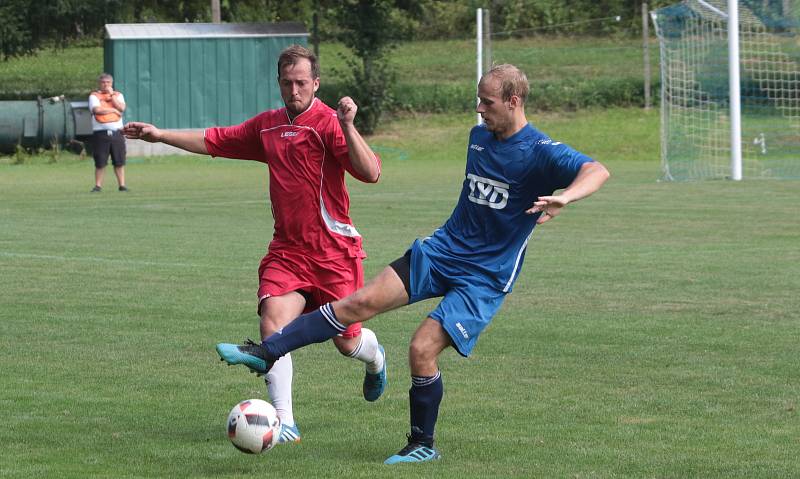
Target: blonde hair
{"points": [[513, 81]]}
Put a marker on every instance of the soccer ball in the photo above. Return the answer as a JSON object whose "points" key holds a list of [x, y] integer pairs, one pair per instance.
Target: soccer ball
{"points": [[253, 426]]}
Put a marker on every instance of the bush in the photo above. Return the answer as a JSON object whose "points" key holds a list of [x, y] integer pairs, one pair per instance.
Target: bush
{"points": [[545, 96], [596, 92]]}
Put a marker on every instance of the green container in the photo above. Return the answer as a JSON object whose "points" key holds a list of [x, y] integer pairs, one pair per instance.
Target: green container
{"points": [[195, 75], [41, 123]]}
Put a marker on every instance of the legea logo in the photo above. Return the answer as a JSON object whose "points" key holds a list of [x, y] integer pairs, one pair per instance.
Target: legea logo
{"points": [[289, 133], [475, 147], [484, 191]]}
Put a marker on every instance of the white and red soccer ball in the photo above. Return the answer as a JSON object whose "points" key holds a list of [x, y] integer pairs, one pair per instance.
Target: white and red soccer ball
{"points": [[253, 426]]}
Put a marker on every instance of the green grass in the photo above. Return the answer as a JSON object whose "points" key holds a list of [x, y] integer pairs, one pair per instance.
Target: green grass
{"points": [[543, 58], [70, 71], [653, 332], [73, 71]]}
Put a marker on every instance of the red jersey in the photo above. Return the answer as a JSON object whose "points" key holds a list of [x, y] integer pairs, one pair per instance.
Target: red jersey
{"points": [[307, 158]]}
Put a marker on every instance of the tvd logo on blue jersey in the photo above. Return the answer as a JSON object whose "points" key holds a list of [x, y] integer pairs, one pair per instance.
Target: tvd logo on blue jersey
{"points": [[484, 191]]}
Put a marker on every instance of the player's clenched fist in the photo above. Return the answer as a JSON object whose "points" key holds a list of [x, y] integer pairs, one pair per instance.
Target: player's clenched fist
{"points": [[346, 110], [141, 131]]}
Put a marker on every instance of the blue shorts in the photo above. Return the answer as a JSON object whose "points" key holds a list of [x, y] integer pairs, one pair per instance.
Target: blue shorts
{"points": [[467, 307]]}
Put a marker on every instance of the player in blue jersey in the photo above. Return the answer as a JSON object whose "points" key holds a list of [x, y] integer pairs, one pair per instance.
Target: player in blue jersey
{"points": [[472, 261]]}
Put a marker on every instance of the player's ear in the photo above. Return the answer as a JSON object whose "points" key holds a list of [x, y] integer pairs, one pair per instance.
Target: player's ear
{"points": [[316, 84], [513, 102]]}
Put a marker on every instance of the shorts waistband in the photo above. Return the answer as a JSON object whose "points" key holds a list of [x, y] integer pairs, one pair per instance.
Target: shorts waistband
{"points": [[107, 132]]}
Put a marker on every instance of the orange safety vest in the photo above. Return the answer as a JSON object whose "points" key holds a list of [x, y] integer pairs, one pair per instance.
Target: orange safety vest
{"points": [[105, 102]]}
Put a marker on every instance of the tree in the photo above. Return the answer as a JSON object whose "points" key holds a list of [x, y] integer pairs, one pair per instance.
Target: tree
{"points": [[370, 29], [266, 11], [15, 35], [28, 25]]}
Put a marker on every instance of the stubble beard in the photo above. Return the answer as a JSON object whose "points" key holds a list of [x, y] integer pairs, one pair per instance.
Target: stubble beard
{"points": [[295, 108]]}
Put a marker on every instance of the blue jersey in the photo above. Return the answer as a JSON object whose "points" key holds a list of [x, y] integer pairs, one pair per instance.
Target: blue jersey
{"points": [[488, 232]]}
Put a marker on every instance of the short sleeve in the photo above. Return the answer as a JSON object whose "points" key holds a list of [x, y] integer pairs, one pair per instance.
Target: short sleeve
{"points": [[564, 163], [241, 141], [336, 144], [94, 102]]}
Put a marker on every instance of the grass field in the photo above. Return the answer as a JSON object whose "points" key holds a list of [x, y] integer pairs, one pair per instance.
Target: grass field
{"points": [[73, 71], [653, 332]]}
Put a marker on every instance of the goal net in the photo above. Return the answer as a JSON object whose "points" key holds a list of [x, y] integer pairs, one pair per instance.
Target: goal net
{"points": [[695, 114]]}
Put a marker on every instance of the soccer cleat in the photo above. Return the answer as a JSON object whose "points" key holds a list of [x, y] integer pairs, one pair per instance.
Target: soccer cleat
{"points": [[96, 189], [289, 434], [123, 188], [415, 451], [250, 354], [375, 383]]}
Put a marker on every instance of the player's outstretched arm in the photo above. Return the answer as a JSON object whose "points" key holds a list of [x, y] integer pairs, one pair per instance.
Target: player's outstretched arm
{"points": [[589, 179], [362, 157], [192, 141]]}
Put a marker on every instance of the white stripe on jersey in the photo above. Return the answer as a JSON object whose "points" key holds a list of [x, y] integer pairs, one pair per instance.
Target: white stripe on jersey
{"points": [[343, 229], [516, 263]]}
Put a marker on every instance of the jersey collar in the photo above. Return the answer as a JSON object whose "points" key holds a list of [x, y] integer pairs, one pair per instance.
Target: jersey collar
{"points": [[291, 121], [522, 132]]}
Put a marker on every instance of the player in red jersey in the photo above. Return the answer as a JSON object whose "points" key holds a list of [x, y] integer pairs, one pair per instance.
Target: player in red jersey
{"points": [[315, 253]]}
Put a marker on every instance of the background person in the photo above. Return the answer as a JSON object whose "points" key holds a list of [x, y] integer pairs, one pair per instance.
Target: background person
{"points": [[472, 261], [315, 254], [107, 107]]}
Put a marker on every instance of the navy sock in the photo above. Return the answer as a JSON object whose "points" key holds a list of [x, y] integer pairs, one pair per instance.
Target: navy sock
{"points": [[315, 327], [425, 396]]}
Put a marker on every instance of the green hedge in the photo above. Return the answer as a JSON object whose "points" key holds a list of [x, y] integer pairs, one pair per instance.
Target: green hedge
{"points": [[561, 95], [456, 97]]}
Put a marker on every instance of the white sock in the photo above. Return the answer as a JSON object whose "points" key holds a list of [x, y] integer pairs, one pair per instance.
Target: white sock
{"points": [[279, 388], [367, 351]]}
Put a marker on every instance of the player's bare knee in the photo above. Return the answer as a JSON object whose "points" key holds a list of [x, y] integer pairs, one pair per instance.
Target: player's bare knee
{"points": [[421, 354]]}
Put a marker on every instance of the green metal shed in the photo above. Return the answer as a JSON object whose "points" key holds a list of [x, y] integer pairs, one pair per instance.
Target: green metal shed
{"points": [[195, 75]]}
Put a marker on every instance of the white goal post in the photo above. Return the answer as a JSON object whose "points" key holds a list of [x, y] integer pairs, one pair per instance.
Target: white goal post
{"points": [[730, 89]]}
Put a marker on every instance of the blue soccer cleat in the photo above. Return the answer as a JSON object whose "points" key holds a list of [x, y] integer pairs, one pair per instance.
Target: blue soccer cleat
{"points": [[415, 452], [289, 434], [250, 354], [375, 383]]}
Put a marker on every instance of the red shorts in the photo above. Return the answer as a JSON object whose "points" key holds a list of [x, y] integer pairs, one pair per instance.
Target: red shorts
{"points": [[319, 281]]}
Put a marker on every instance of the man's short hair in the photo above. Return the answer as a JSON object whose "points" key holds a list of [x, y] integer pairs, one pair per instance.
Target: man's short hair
{"points": [[293, 53], [513, 81], [105, 76]]}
